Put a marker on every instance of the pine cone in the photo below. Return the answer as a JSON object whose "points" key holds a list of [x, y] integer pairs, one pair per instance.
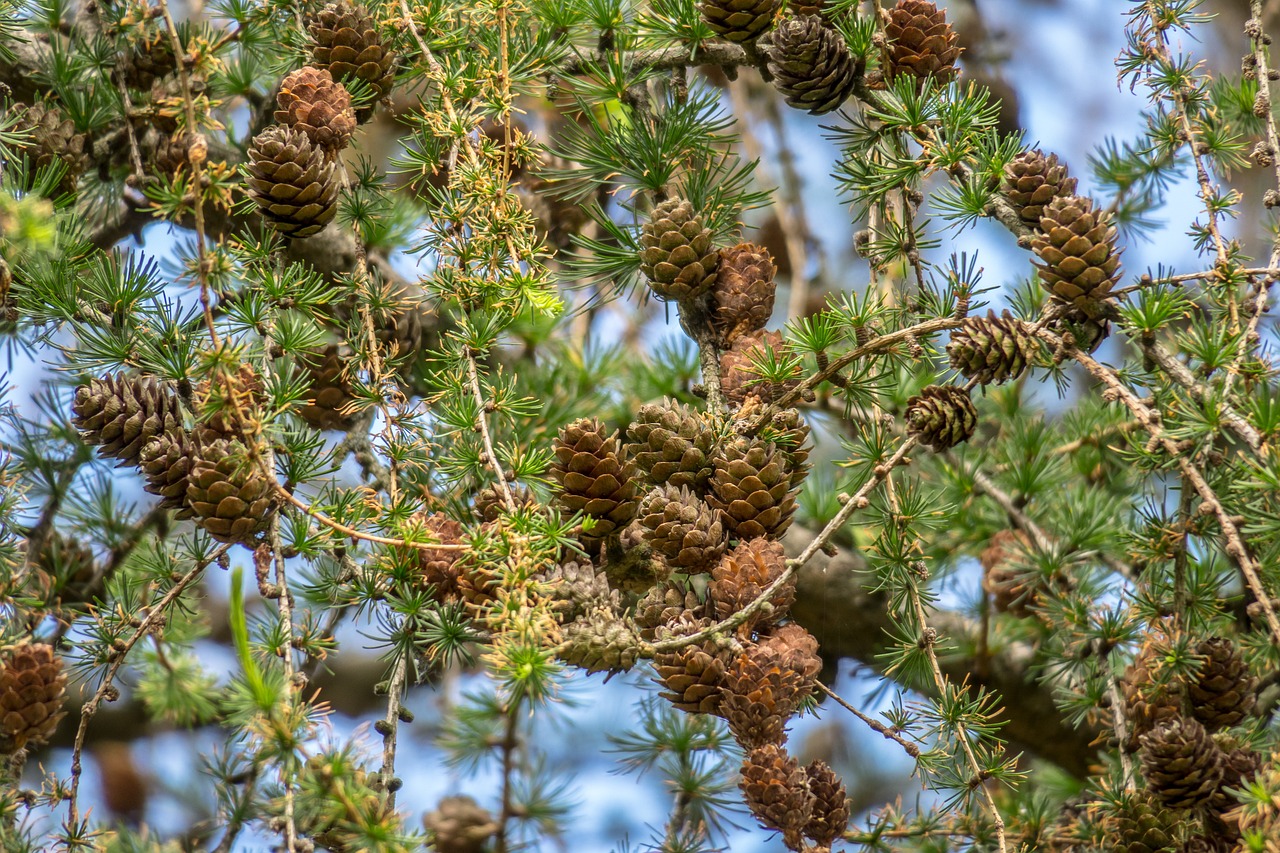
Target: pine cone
{"points": [[672, 445], [460, 825], [600, 641], [349, 46], [595, 475], [438, 567], [1141, 826], [676, 254], [811, 64], [166, 462], [293, 182], [170, 155], [151, 58], [739, 20], [942, 416], [799, 649], [743, 293], [692, 674], [739, 376], [1032, 180], [789, 432], [1078, 248], [760, 692], [682, 528], [741, 576], [32, 686], [664, 605], [310, 101], [1148, 704], [491, 504], [921, 43], [776, 789], [330, 392], [575, 587], [230, 496], [121, 413], [752, 488], [1181, 763], [991, 348], [830, 805], [52, 136], [1240, 766], [479, 585], [1222, 692]]}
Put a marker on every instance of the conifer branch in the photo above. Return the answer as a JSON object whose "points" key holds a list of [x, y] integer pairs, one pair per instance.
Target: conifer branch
{"points": [[875, 725]]}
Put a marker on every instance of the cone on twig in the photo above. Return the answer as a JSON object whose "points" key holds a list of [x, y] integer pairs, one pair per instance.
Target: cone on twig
{"points": [[742, 575], [830, 817], [32, 686], [1141, 826], [739, 20], [1222, 691], [744, 291], [692, 674], [600, 641], [672, 445], [331, 393], [229, 494], [1032, 180], [752, 488], [992, 349], [1181, 763], [346, 43], [676, 254], [309, 100], [776, 789], [1080, 263], [595, 475], [740, 375], [760, 692], [1148, 703], [576, 587], [941, 416], [683, 528], [166, 463], [122, 413], [811, 64], [438, 567], [922, 45], [294, 183], [665, 604]]}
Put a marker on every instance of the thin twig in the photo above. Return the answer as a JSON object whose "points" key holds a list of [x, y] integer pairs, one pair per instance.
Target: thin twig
{"points": [[890, 734]]}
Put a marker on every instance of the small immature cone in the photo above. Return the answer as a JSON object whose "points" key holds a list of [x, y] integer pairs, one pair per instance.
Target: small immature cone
{"points": [[601, 641], [32, 687], [922, 45], [743, 293], [309, 100], [811, 64]]}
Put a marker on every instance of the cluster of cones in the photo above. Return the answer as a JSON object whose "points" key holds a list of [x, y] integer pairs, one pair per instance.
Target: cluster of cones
{"points": [[203, 471], [1181, 728], [294, 172], [809, 60]]}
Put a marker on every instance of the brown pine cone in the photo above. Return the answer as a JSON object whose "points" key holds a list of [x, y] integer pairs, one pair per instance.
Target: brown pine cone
{"points": [[664, 605], [830, 805], [52, 137], [346, 42], [1222, 692], [691, 674], [595, 475], [922, 45], [776, 789], [230, 495], [65, 570], [438, 567], [32, 687], [1032, 180], [799, 649], [743, 293], [491, 503], [811, 65], [672, 445], [309, 100], [760, 693], [331, 393], [740, 377], [789, 432], [752, 488], [739, 20], [1140, 825], [151, 58], [1240, 766], [992, 349], [683, 528], [1080, 262], [1181, 763], [941, 416], [121, 414], [742, 575], [676, 253], [1148, 703], [294, 182], [166, 463]]}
